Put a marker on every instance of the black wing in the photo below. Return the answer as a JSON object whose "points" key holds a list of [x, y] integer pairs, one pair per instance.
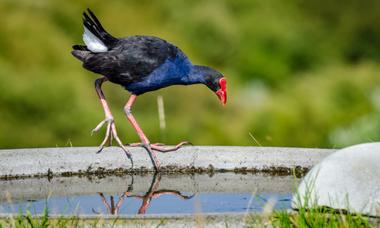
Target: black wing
{"points": [[131, 59]]}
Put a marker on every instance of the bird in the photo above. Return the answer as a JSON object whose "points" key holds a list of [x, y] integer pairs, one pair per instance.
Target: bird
{"points": [[140, 64]]}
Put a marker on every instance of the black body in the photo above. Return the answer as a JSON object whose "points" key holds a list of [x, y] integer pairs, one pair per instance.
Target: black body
{"points": [[141, 63]]}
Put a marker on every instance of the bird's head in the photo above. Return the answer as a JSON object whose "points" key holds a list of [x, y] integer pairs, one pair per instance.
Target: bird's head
{"points": [[215, 81]]}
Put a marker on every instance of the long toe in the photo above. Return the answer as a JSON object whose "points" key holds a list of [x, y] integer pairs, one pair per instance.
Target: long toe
{"points": [[161, 148], [108, 136], [142, 145], [135, 144], [108, 120], [117, 139]]}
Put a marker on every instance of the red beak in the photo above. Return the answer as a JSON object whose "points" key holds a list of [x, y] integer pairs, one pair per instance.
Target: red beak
{"points": [[222, 92]]}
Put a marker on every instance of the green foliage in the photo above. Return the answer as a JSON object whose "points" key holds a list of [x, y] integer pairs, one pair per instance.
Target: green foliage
{"points": [[300, 73], [320, 217]]}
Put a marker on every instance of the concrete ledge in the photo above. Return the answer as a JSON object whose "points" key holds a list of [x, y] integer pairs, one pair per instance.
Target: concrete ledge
{"points": [[84, 160]]}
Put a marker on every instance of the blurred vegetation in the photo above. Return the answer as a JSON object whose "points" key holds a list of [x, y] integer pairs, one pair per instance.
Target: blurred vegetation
{"points": [[300, 73]]}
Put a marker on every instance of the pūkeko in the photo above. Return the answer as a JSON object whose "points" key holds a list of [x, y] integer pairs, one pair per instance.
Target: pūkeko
{"points": [[140, 64]]}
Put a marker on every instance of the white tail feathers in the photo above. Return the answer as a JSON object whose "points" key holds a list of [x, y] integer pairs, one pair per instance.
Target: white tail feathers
{"points": [[92, 42]]}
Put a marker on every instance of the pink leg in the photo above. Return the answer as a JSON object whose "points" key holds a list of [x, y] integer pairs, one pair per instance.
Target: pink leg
{"points": [[104, 200], [144, 140], [112, 209], [153, 192], [111, 128]]}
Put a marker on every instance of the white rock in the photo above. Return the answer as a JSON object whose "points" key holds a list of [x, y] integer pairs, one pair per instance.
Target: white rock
{"points": [[347, 179]]}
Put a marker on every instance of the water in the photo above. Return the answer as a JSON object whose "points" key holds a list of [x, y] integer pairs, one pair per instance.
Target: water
{"points": [[150, 194]]}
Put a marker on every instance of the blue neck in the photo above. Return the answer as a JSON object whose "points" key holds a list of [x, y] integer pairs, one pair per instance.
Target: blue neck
{"points": [[177, 71], [195, 76]]}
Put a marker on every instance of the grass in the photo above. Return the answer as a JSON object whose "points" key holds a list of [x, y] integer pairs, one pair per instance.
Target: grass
{"points": [[312, 217], [321, 217], [304, 217]]}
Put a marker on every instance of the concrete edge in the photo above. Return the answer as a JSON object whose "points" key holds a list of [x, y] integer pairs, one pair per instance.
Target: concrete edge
{"points": [[84, 160]]}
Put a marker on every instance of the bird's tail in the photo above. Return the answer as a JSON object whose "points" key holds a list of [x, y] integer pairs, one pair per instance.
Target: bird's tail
{"points": [[96, 38], [81, 52]]}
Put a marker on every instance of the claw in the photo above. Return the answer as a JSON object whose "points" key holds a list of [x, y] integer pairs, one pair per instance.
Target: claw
{"points": [[100, 150]]}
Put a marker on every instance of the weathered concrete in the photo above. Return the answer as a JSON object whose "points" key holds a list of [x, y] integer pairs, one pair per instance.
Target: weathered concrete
{"points": [[40, 188], [348, 179], [61, 161]]}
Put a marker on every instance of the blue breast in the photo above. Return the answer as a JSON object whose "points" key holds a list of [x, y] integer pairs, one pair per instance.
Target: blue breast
{"points": [[173, 71]]}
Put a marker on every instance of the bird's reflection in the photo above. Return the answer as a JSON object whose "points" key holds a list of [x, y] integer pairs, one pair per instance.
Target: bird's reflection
{"points": [[152, 193]]}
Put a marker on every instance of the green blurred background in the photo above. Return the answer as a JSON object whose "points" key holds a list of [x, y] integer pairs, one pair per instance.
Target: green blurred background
{"points": [[300, 72]]}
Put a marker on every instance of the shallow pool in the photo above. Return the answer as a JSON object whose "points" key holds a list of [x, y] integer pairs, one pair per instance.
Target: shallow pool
{"points": [[148, 194]]}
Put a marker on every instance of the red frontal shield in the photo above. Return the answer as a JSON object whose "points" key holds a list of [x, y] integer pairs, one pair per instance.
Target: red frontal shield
{"points": [[222, 92]]}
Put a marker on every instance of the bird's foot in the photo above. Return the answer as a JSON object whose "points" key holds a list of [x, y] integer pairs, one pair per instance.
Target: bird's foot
{"points": [[111, 134], [161, 147], [152, 148]]}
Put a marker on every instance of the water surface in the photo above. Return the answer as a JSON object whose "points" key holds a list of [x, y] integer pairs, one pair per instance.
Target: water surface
{"points": [[149, 194]]}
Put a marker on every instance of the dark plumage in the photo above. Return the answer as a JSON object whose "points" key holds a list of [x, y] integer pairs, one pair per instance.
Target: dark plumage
{"points": [[140, 64], [131, 60]]}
